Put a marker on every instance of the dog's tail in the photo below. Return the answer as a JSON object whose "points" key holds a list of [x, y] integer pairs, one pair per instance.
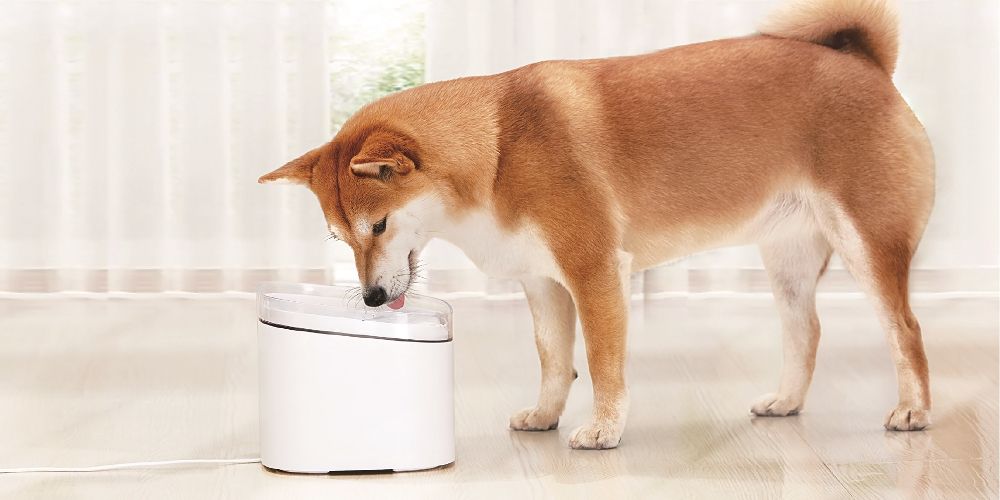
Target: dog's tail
{"points": [[866, 27]]}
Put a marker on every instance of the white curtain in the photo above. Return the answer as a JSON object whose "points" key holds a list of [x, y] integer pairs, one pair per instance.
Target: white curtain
{"points": [[132, 133]]}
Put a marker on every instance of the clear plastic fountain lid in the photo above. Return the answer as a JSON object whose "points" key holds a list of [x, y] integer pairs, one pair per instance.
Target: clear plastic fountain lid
{"points": [[339, 310]]}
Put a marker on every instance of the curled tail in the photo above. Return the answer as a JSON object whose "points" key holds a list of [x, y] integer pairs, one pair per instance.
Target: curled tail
{"points": [[866, 27]]}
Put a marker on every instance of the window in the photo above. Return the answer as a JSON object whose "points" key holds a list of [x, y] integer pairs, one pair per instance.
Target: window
{"points": [[373, 55]]}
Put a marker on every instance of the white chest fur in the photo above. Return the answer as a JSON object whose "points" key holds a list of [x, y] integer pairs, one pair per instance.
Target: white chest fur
{"points": [[500, 253]]}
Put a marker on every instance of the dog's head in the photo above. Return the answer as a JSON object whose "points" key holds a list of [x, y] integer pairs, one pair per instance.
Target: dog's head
{"points": [[375, 197]]}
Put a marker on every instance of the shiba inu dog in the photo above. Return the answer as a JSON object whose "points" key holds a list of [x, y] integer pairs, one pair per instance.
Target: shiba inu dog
{"points": [[569, 175]]}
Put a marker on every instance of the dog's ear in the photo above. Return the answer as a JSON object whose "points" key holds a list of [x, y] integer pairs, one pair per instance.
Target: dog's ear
{"points": [[297, 171], [383, 156]]}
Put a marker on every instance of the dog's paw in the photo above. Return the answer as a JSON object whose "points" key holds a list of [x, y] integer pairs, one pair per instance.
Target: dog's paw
{"points": [[533, 419], [596, 436], [775, 405], [907, 418]]}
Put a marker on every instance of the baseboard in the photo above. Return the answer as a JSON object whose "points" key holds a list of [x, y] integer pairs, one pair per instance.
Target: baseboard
{"points": [[655, 281]]}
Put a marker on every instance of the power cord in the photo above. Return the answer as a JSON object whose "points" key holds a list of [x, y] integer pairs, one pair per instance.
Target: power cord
{"points": [[133, 465]]}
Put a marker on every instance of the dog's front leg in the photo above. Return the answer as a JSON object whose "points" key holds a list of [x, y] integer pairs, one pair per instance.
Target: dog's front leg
{"points": [[555, 326], [600, 292]]}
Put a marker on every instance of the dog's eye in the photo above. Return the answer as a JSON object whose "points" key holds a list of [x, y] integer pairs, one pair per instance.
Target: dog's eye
{"points": [[379, 226]]}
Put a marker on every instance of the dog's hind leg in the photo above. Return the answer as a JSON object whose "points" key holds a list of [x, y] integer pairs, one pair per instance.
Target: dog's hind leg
{"points": [[795, 255], [872, 193], [555, 327]]}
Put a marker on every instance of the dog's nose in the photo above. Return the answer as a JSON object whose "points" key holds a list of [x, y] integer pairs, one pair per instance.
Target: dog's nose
{"points": [[375, 296]]}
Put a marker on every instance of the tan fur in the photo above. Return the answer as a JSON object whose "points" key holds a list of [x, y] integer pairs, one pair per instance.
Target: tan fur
{"points": [[798, 132]]}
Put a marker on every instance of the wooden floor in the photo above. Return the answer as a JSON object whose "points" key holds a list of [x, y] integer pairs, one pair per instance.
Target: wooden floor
{"points": [[87, 381]]}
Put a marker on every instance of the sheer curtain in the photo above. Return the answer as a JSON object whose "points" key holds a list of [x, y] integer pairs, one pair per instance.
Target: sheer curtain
{"points": [[132, 133]]}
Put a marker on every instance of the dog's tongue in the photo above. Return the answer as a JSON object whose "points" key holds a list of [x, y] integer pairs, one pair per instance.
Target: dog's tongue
{"points": [[398, 303]]}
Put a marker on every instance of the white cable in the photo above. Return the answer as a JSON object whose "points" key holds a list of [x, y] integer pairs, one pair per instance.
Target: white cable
{"points": [[133, 465]]}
